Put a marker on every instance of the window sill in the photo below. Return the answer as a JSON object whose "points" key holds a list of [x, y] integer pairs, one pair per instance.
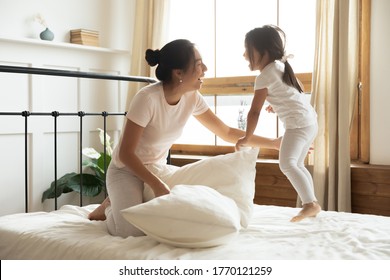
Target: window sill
{"points": [[193, 158]]}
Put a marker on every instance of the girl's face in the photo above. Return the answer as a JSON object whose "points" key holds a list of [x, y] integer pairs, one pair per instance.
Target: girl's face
{"points": [[259, 61], [192, 78], [253, 65]]}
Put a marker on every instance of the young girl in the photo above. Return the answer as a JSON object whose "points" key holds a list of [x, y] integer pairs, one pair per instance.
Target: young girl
{"points": [[264, 49]]}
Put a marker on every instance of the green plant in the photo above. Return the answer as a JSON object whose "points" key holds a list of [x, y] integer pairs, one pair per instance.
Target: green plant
{"points": [[92, 183]]}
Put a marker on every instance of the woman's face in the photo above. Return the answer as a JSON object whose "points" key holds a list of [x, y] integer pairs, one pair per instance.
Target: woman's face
{"points": [[192, 78]]}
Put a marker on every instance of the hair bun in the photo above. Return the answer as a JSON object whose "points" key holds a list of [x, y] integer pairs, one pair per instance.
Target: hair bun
{"points": [[152, 57]]}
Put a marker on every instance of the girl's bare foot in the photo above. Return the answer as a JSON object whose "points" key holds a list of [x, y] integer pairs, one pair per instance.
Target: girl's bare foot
{"points": [[99, 213], [308, 210]]}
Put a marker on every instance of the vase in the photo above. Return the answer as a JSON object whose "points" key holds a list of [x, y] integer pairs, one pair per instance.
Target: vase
{"points": [[47, 35]]}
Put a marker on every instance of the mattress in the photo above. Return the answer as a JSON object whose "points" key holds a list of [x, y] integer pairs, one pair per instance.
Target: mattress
{"points": [[67, 234]]}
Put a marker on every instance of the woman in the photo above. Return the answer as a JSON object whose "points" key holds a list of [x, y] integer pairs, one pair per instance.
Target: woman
{"points": [[155, 119]]}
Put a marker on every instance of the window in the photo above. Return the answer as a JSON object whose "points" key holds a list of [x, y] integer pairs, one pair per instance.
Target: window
{"points": [[218, 28]]}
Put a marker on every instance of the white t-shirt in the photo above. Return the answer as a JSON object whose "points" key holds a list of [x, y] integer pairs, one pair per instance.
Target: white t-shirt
{"points": [[163, 123], [291, 106]]}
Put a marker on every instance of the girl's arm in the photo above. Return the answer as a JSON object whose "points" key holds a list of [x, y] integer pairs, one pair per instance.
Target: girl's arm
{"points": [[131, 136], [253, 116], [230, 134], [254, 112]]}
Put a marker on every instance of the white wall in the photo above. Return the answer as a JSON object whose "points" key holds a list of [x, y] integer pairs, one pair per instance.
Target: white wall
{"points": [[380, 86], [112, 18]]}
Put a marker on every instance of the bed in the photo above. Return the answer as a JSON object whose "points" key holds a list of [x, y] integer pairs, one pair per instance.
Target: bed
{"points": [[68, 234], [217, 220], [209, 214]]}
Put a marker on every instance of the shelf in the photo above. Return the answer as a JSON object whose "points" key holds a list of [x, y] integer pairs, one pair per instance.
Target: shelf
{"points": [[37, 42]]}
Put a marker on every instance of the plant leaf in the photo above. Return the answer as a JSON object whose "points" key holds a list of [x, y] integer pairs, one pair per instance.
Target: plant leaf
{"points": [[62, 187], [92, 185], [108, 142], [93, 164], [100, 161], [91, 153]]}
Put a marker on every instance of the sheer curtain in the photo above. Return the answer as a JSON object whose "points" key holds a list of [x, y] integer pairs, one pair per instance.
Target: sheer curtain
{"points": [[149, 32], [335, 80]]}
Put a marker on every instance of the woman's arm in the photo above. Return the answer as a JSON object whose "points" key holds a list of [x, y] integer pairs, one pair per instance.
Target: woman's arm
{"points": [[229, 134], [131, 136]]}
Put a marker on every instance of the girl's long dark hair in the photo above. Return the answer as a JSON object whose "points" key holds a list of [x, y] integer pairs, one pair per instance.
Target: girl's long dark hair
{"points": [[271, 39]]}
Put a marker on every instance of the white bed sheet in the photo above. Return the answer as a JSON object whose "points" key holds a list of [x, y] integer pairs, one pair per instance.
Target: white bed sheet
{"points": [[68, 234]]}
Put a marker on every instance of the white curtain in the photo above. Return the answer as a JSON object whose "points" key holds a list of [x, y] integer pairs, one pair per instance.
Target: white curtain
{"points": [[149, 32], [335, 80]]}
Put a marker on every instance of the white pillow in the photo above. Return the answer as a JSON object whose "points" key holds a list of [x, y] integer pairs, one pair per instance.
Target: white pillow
{"points": [[232, 175], [190, 216]]}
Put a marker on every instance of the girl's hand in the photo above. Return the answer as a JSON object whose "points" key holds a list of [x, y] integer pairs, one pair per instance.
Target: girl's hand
{"points": [[241, 143], [277, 142], [311, 148], [269, 109]]}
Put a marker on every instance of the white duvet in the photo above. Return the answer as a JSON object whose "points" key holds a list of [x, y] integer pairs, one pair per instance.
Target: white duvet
{"points": [[68, 234]]}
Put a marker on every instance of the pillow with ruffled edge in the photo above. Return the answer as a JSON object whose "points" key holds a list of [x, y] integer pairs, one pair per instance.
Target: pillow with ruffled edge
{"points": [[232, 175], [190, 216]]}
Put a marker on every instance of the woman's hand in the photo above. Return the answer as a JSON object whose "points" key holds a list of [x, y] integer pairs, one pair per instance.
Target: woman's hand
{"points": [[243, 141], [161, 189], [277, 142]]}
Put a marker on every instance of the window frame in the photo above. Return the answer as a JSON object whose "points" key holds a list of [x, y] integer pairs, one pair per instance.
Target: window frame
{"points": [[360, 127]]}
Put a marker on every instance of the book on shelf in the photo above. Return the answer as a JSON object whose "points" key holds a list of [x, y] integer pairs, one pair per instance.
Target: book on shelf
{"points": [[84, 37], [84, 31]]}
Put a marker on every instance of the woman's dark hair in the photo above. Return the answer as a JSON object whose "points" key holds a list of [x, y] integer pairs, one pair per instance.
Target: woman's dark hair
{"points": [[271, 39], [178, 54]]}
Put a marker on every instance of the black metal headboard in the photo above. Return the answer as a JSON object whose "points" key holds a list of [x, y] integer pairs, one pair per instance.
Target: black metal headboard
{"points": [[56, 114]]}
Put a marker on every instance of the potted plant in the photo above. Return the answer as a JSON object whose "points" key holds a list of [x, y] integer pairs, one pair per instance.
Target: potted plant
{"points": [[93, 183], [46, 34]]}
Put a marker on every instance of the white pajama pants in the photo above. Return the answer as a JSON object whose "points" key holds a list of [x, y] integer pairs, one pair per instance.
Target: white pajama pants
{"points": [[293, 151], [124, 190]]}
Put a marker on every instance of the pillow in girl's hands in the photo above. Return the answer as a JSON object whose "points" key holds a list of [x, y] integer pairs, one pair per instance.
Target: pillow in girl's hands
{"points": [[190, 216]]}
